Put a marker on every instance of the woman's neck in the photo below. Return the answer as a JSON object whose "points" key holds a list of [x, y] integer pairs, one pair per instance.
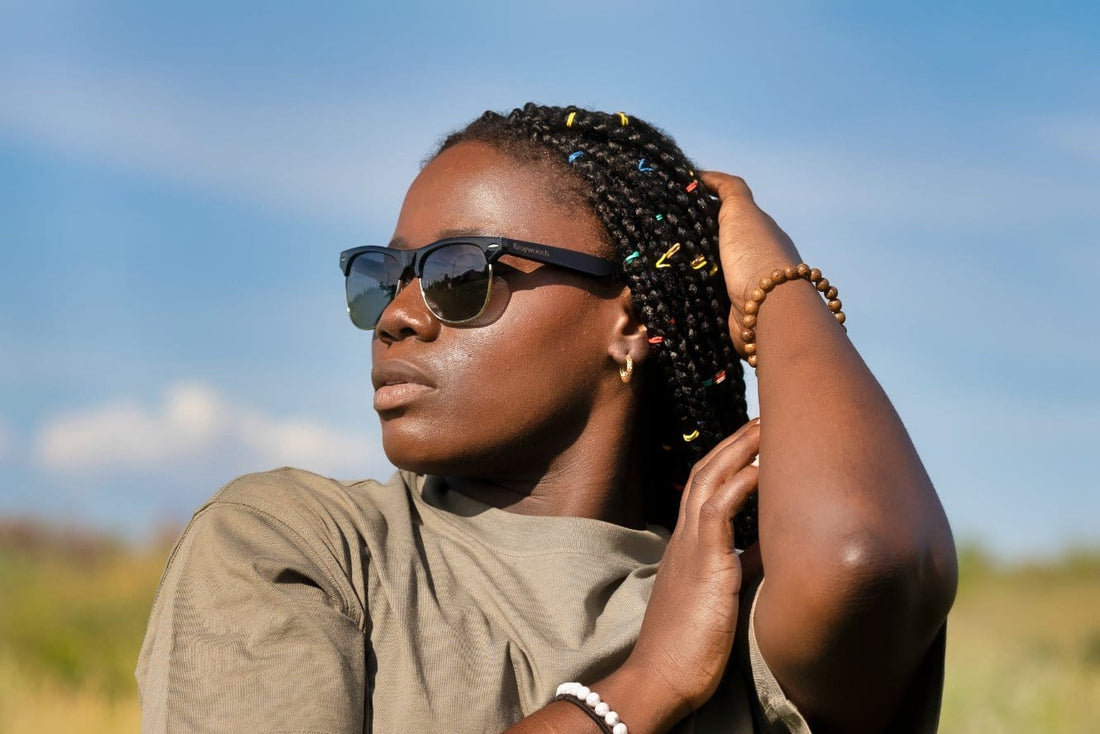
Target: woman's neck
{"points": [[598, 476]]}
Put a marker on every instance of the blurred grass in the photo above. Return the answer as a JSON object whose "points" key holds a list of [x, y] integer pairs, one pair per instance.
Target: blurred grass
{"points": [[1023, 642], [72, 616], [1023, 646]]}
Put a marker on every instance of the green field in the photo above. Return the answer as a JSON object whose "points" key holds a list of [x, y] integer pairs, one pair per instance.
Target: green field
{"points": [[1023, 644]]}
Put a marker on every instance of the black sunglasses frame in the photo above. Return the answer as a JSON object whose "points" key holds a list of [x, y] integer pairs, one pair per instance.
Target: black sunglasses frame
{"points": [[412, 260]]}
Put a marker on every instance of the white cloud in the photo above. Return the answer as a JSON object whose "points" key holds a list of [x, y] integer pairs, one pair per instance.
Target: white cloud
{"points": [[193, 425], [817, 184], [315, 155], [351, 158]]}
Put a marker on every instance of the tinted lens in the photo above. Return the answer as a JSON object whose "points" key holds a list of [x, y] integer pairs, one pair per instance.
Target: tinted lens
{"points": [[371, 285], [455, 282]]}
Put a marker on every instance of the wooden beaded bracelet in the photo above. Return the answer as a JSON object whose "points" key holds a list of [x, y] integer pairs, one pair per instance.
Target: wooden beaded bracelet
{"points": [[777, 276]]}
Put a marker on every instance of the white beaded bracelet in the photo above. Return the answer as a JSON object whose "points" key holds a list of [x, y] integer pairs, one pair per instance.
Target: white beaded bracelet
{"points": [[592, 700]]}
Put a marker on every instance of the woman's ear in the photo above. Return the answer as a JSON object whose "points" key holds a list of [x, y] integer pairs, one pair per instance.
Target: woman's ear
{"points": [[629, 336]]}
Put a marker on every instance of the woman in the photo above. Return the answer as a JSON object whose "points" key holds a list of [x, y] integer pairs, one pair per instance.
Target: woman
{"points": [[558, 326]]}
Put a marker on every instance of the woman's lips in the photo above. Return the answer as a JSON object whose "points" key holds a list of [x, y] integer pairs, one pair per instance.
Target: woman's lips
{"points": [[398, 395], [398, 383]]}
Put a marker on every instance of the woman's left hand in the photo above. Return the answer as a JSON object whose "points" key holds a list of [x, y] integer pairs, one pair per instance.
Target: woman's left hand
{"points": [[750, 244]]}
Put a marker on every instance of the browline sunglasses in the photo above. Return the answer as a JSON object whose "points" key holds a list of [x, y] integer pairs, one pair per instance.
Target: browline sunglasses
{"points": [[455, 274]]}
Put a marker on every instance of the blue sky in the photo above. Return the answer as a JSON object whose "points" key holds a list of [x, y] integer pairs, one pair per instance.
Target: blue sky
{"points": [[176, 184]]}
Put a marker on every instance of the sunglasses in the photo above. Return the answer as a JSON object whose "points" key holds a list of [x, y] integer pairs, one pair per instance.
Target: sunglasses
{"points": [[455, 274]]}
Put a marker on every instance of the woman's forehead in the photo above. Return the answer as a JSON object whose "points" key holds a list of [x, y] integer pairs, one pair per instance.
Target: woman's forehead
{"points": [[471, 188]]}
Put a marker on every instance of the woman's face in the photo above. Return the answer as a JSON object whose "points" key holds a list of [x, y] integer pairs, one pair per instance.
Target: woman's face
{"points": [[511, 390]]}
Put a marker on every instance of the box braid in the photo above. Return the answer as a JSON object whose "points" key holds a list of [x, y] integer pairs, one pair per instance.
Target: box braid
{"points": [[663, 226]]}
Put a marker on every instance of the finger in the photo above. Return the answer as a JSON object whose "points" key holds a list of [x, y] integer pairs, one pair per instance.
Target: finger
{"points": [[716, 514], [745, 428], [740, 433], [725, 186], [719, 466]]}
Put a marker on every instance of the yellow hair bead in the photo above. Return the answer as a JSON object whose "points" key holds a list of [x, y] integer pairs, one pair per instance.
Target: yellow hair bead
{"points": [[689, 437], [624, 119], [662, 261], [569, 120], [698, 263]]}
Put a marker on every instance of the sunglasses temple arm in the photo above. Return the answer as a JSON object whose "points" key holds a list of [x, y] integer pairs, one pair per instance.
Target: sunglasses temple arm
{"points": [[571, 259]]}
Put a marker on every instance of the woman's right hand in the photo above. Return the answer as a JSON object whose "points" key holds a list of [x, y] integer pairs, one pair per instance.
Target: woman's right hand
{"points": [[687, 634]]}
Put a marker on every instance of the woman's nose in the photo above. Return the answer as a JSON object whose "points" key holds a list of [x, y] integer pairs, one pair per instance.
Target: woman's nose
{"points": [[407, 316]]}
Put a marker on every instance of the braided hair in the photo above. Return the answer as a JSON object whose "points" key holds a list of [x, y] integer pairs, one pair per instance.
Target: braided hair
{"points": [[662, 224]]}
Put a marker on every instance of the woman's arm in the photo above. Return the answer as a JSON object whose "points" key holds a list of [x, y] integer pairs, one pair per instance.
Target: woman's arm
{"points": [[857, 553]]}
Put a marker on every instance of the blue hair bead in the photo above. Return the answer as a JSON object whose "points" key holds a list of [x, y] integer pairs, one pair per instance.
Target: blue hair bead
{"points": [[575, 156], [643, 167]]}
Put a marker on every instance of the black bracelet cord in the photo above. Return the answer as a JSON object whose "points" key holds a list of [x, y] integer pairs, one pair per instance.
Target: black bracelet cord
{"points": [[584, 707]]}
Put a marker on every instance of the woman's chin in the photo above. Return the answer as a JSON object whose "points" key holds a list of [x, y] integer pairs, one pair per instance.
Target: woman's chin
{"points": [[420, 455]]}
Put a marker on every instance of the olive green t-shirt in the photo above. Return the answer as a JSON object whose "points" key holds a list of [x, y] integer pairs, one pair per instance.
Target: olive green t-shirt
{"points": [[297, 603]]}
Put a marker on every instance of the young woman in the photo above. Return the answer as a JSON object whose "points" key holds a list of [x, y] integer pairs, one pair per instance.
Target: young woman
{"points": [[558, 326]]}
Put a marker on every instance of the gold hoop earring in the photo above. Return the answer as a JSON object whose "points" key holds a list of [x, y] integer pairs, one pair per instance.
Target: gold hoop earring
{"points": [[626, 370]]}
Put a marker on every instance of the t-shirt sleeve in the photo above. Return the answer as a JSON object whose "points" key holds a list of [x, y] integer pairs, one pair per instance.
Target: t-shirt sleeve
{"points": [[919, 712], [252, 630]]}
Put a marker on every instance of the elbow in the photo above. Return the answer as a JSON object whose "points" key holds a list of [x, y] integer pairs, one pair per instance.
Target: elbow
{"points": [[916, 577]]}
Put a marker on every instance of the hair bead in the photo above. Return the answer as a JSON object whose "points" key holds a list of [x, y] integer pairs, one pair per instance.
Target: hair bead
{"points": [[662, 261], [632, 256], [643, 167], [698, 263], [624, 119], [691, 186], [570, 118], [689, 437], [575, 155], [718, 379], [655, 339]]}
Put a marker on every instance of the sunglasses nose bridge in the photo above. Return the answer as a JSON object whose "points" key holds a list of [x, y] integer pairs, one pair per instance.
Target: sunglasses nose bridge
{"points": [[406, 276]]}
